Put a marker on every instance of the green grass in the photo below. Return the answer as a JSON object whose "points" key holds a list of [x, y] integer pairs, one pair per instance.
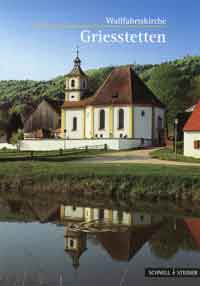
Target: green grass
{"points": [[58, 155], [53, 163], [55, 173], [43, 169], [168, 154]]}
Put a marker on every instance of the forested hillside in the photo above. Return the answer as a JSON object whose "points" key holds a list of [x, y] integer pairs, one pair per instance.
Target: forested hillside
{"points": [[175, 83]]}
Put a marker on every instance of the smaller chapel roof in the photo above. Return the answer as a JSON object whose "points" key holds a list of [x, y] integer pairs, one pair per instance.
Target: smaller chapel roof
{"points": [[193, 123], [55, 105]]}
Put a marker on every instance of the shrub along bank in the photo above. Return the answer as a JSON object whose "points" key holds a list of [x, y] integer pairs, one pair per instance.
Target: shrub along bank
{"points": [[120, 181]]}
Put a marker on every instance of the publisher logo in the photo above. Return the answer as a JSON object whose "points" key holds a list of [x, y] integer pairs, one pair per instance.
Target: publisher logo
{"points": [[172, 272]]}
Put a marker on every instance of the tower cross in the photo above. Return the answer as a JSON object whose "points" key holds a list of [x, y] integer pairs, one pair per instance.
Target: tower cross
{"points": [[77, 51]]}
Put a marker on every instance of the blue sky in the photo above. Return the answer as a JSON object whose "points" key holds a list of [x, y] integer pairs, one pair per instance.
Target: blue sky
{"points": [[28, 52]]}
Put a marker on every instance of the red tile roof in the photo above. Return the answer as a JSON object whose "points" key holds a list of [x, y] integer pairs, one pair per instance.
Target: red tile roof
{"points": [[193, 225], [193, 123], [122, 87]]}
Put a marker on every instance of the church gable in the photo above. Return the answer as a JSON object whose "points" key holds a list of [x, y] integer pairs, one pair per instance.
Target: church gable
{"points": [[116, 89], [124, 87]]}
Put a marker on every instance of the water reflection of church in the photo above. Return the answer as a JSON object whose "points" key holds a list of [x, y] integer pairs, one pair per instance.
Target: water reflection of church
{"points": [[121, 233]]}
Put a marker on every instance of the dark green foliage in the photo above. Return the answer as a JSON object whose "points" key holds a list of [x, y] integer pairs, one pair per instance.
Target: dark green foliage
{"points": [[169, 154], [176, 84], [97, 77], [171, 238], [114, 181]]}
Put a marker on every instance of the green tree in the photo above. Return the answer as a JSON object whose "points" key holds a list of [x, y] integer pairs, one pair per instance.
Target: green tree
{"points": [[3, 122], [169, 84], [16, 137]]}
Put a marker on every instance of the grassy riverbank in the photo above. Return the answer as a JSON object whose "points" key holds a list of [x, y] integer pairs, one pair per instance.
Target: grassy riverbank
{"points": [[168, 154], [105, 180], [48, 156]]}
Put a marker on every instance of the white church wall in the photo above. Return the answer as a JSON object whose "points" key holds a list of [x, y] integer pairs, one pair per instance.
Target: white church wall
{"points": [[189, 138], [88, 122], [141, 218], [7, 146], [104, 133], [142, 122], [74, 212], [69, 115], [116, 131], [73, 94], [56, 144]]}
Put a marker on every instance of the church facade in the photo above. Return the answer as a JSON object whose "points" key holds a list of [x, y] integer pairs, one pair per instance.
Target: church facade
{"points": [[122, 108]]}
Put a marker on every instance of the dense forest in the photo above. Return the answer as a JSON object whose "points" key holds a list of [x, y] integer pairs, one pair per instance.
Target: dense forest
{"points": [[175, 83]]}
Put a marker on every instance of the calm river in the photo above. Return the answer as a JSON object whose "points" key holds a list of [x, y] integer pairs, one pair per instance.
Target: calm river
{"points": [[73, 244]]}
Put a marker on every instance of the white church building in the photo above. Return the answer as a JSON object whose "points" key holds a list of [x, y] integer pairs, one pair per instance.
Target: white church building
{"points": [[122, 108], [122, 114]]}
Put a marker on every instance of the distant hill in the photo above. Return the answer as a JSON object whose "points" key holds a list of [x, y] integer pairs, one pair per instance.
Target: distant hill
{"points": [[175, 83]]}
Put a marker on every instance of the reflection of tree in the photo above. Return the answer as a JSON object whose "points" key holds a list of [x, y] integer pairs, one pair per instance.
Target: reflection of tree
{"points": [[171, 238], [15, 205]]}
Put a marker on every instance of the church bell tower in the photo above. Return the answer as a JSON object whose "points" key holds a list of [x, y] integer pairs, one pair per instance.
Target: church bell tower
{"points": [[76, 82]]}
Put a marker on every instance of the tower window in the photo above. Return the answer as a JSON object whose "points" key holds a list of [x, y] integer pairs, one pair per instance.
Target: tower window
{"points": [[84, 84], [159, 122], [74, 124], [142, 113], [121, 119], [72, 83], [102, 119], [71, 243]]}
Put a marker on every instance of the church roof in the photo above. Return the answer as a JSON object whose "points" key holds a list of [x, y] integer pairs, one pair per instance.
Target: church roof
{"points": [[122, 87], [193, 123], [55, 105], [123, 246], [193, 225]]}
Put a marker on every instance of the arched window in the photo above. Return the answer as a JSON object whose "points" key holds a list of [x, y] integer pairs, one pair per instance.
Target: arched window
{"points": [[71, 243], [102, 119], [72, 83], [84, 83], [121, 119], [159, 123], [74, 124]]}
